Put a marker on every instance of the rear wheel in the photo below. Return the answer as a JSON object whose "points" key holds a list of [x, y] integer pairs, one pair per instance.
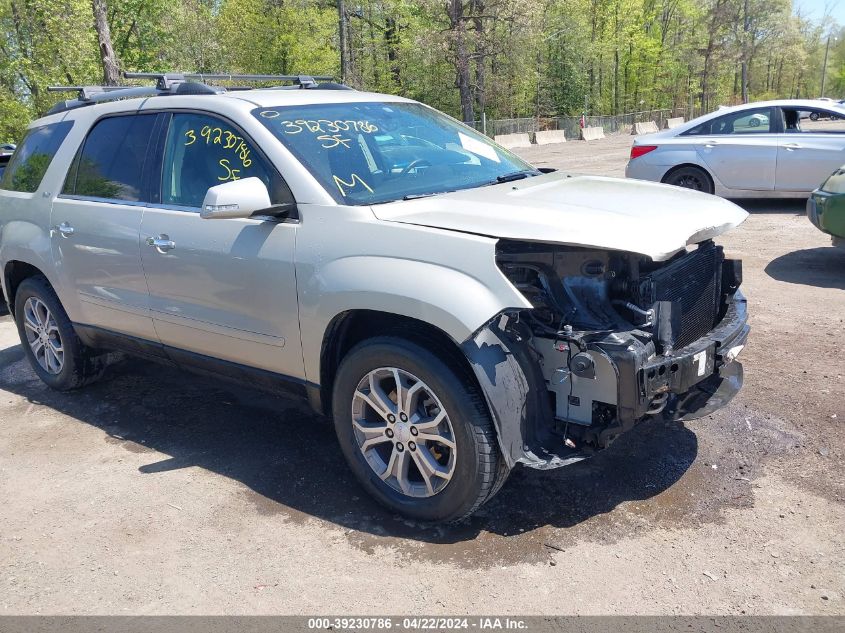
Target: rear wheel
{"points": [[415, 431], [54, 350], [690, 177]]}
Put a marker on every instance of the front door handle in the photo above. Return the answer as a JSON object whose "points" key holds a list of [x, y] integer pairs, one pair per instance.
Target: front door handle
{"points": [[162, 243], [65, 229], [791, 146]]}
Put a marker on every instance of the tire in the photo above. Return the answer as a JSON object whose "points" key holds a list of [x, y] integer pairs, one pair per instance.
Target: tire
{"points": [[690, 177], [754, 123], [41, 318], [814, 116], [473, 463]]}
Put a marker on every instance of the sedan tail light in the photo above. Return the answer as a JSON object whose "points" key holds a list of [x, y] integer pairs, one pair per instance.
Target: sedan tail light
{"points": [[640, 150]]}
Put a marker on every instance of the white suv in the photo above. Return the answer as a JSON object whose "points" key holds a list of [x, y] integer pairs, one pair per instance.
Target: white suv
{"points": [[456, 311]]}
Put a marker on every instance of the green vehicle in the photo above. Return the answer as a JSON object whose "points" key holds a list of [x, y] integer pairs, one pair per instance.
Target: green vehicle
{"points": [[826, 207]]}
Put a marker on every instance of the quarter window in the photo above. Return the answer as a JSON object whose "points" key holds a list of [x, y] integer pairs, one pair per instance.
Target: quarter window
{"points": [[111, 162], [33, 156], [203, 151]]}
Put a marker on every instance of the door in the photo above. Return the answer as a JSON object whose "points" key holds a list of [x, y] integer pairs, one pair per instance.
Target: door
{"points": [[222, 288], [810, 150], [740, 148], [96, 224]]}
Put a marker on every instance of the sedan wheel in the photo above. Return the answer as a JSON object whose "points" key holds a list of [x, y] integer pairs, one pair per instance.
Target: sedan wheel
{"points": [[690, 178]]}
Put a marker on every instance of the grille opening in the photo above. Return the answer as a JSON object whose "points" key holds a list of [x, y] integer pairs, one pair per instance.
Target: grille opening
{"points": [[692, 283]]}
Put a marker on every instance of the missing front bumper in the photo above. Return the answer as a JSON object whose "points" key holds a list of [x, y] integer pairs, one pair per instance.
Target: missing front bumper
{"points": [[512, 368]]}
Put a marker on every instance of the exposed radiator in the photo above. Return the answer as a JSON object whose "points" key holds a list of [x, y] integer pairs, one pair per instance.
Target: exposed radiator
{"points": [[693, 284]]}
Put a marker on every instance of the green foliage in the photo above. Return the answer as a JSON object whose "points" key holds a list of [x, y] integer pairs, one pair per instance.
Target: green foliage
{"points": [[283, 38], [503, 58], [14, 117], [45, 42]]}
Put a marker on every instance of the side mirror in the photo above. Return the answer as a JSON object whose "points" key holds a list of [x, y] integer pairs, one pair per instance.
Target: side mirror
{"points": [[235, 199]]}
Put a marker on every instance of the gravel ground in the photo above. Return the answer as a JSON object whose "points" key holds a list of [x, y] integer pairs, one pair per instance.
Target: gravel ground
{"points": [[157, 492]]}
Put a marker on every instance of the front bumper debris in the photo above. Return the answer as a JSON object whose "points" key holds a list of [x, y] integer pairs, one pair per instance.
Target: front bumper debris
{"points": [[521, 390]]}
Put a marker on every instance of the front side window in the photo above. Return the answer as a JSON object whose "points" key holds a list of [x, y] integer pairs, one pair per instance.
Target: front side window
{"points": [[813, 121], [33, 156], [110, 163], [203, 151], [367, 153], [757, 121]]}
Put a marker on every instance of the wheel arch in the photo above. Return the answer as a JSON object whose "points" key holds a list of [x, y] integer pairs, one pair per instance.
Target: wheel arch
{"points": [[351, 327], [14, 273]]}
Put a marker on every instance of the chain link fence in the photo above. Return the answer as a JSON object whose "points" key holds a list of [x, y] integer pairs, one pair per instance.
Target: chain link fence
{"points": [[612, 124]]}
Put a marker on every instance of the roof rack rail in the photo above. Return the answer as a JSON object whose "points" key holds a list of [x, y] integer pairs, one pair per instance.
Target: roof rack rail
{"points": [[86, 93], [164, 79], [165, 85], [177, 83]]}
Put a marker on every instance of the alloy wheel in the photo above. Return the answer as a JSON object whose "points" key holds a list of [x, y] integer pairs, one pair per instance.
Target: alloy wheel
{"points": [[404, 432], [42, 334]]}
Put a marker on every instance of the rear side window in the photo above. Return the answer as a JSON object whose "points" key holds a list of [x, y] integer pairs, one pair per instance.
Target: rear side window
{"points": [[33, 156], [111, 162]]}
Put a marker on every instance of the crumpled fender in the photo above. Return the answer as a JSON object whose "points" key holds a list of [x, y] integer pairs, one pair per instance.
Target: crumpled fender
{"points": [[508, 371]]}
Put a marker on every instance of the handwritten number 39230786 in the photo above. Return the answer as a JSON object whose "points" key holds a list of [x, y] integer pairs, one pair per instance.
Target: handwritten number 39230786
{"points": [[228, 140]]}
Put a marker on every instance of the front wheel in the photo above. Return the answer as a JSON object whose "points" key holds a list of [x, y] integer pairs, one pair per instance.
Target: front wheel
{"points": [[690, 177], [415, 431], [814, 116]]}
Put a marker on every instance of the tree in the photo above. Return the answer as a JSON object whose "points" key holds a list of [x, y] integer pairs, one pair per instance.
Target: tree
{"points": [[111, 72]]}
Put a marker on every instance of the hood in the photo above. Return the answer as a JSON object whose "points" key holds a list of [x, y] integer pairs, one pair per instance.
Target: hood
{"points": [[611, 213]]}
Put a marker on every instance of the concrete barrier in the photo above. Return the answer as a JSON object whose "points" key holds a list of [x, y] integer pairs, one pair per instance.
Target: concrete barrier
{"points": [[512, 141], [592, 133], [646, 127], [550, 136], [673, 123]]}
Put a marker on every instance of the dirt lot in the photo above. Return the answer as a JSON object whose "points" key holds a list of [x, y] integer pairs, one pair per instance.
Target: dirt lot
{"points": [[157, 492]]}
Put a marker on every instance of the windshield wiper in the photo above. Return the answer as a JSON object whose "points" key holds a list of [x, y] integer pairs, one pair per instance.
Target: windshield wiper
{"points": [[516, 175], [417, 196]]}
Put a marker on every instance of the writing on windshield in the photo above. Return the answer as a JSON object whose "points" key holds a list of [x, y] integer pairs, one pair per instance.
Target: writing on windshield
{"points": [[368, 153]]}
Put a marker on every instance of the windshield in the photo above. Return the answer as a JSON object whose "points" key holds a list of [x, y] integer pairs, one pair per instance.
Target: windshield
{"points": [[367, 153]]}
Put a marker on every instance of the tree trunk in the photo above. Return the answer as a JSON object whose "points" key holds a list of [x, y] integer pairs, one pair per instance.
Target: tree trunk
{"points": [[480, 57], [746, 27], [341, 28], [391, 39], [111, 72], [455, 10]]}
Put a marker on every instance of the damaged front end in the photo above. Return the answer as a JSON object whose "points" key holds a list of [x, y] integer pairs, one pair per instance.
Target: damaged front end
{"points": [[612, 339]]}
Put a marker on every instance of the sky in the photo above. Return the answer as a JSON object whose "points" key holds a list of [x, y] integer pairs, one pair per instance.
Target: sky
{"points": [[815, 9]]}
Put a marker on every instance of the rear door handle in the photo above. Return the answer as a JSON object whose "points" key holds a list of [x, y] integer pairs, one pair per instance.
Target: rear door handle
{"points": [[162, 243], [791, 146], [711, 144], [65, 229]]}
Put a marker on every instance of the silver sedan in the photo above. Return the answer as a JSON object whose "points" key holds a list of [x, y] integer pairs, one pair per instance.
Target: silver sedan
{"points": [[756, 150]]}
